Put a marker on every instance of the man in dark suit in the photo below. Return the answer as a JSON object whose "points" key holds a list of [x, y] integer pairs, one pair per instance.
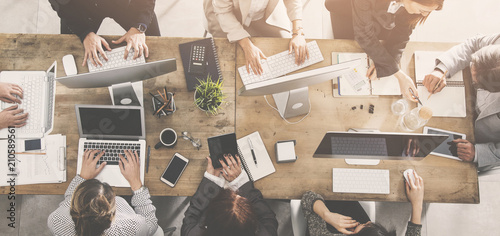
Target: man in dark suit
{"points": [[84, 17]]}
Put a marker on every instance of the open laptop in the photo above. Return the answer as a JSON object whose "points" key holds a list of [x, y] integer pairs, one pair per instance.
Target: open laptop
{"points": [[113, 129], [379, 145], [39, 92]]}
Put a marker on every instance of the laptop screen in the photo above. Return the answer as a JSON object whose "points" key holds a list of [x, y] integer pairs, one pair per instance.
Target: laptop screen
{"points": [[377, 145], [110, 122]]}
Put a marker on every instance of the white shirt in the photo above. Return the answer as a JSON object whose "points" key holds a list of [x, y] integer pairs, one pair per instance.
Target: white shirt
{"points": [[256, 11]]}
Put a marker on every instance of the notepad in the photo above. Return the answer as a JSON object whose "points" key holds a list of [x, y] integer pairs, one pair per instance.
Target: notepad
{"points": [[355, 83], [450, 102], [264, 165]]}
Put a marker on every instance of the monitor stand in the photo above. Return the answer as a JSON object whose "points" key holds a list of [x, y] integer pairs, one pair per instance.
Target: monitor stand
{"points": [[292, 103], [363, 162], [127, 94]]}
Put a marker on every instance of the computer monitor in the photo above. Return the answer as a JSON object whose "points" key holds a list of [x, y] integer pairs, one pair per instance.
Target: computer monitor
{"points": [[119, 79], [291, 92], [378, 145]]}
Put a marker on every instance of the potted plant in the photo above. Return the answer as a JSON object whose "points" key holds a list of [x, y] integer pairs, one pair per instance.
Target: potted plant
{"points": [[208, 95]]}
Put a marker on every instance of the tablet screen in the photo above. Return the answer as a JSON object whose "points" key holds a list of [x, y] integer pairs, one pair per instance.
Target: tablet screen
{"points": [[447, 147]]}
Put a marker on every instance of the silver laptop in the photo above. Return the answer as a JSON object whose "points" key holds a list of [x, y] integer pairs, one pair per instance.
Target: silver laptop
{"points": [[112, 129], [39, 92]]}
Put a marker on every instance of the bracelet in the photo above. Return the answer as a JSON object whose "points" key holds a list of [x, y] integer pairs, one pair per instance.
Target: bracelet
{"points": [[294, 34]]}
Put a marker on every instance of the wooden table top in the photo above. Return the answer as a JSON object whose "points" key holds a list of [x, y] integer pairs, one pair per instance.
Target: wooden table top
{"points": [[37, 52], [445, 180]]}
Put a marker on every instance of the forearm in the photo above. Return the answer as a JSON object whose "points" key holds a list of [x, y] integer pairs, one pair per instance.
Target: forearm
{"points": [[297, 27], [228, 22], [416, 213], [144, 11], [320, 208], [77, 180], [144, 206]]}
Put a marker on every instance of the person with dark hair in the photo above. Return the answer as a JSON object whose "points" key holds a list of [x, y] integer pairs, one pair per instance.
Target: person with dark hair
{"points": [[237, 210], [12, 116], [335, 218], [91, 207], [84, 17], [369, 21], [482, 54]]}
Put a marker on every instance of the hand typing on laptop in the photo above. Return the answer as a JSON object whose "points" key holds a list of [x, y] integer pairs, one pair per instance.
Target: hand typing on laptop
{"points": [[89, 162], [12, 116], [11, 93], [130, 168]]}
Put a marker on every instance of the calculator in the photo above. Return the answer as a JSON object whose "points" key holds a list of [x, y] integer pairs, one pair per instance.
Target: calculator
{"points": [[197, 63]]}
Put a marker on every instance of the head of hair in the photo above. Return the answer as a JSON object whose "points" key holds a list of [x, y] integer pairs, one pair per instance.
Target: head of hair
{"points": [[420, 19], [374, 229], [230, 214], [92, 207], [486, 63]]}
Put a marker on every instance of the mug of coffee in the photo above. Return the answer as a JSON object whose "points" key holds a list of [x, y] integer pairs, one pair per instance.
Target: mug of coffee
{"points": [[168, 138]]}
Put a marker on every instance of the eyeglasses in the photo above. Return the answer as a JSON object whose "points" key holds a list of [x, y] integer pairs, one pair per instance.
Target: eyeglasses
{"points": [[196, 142]]}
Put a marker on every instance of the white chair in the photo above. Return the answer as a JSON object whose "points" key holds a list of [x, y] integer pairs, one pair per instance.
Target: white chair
{"points": [[299, 224]]}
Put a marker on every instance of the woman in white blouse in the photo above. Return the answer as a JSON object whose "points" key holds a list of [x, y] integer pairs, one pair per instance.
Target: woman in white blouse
{"points": [[91, 207], [238, 20]]}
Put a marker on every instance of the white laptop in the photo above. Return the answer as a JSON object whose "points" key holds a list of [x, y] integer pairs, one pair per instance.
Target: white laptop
{"points": [[39, 92], [113, 129]]}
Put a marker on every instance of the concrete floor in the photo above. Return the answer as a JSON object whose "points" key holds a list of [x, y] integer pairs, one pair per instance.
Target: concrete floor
{"points": [[183, 19]]}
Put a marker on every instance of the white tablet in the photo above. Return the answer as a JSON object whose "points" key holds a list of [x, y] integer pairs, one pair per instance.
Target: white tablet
{"points": [[447, 148]]}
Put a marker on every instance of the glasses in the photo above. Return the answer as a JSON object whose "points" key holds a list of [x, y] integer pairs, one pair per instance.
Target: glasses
{"points": [[196, 142]]}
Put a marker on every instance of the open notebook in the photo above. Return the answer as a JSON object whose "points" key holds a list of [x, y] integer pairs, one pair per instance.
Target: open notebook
{"points": [[450, 102], [264, 165], [355, 83]]}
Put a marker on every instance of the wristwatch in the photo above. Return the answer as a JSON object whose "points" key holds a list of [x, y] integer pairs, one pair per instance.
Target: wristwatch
{"points": [[141, 27]]}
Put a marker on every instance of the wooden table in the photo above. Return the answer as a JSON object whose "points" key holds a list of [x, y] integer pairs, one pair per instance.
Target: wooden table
{"points": [[445, 180], [37, 52]]}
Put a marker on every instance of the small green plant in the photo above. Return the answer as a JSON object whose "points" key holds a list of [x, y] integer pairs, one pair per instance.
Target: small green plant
{"points": [[209, 96]]}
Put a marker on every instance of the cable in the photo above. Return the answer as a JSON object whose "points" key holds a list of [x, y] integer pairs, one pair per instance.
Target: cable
{"points": [[291, 123]]}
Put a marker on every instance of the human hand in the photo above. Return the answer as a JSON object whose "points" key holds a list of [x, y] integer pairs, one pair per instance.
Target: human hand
{"points": [[89, 163], [233, 168], [210, 168], [412, 147], [252, 56], [299, 45], [93, 43], [7, 92], [10, 117], [465, 150], [131, 169], [432, 79], [371, 73], [405, 84], [415, 194], [135, 39], [344, 224]]}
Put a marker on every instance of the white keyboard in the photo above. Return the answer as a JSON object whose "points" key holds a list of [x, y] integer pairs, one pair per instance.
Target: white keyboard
{"points": [[346, 180], [281, 64], [115, 60], [33, 103]]}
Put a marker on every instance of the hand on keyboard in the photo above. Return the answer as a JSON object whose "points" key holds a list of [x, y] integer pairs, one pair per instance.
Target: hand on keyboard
{"points": [[253, 55], [12, 117], [89, 162], [92, 44], [10, 93], [136, 40], [299, 46], [130, 168]]}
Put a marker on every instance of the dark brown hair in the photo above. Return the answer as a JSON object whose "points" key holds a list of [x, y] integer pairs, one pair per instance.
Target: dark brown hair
{"points": [[230, 214], [92, 207], [419, 19], [486, 62]]}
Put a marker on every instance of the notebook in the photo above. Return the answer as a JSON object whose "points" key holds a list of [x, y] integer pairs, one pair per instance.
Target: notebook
{"points": [[356, 83], [450, 102], [227, 144], [199, 59]]}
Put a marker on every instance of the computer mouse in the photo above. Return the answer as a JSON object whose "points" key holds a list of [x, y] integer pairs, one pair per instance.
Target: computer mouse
{"points": [[409, 173], [69, 65]]}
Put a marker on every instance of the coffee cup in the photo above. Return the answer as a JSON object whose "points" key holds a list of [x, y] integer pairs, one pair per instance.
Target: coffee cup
{"points": [[168, 138]]}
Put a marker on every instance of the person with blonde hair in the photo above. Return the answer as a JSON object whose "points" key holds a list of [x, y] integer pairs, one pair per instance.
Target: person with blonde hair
{"points": [[91, 207]]}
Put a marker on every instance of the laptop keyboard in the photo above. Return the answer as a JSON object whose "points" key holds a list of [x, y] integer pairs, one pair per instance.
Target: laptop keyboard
{"points": [[115, 60], [359, 146], [112, 150]]}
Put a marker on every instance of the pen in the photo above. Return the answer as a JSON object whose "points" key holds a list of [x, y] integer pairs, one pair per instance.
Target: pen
{"points": [[437, 85], [147, 159], [415, 96], [251, 149], [30, 153]]}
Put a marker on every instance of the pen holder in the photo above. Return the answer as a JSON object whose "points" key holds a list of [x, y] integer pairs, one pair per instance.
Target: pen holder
{"points": [[159, 103]]}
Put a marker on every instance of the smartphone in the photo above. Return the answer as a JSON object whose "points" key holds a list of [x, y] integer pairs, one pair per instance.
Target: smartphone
{"points": [[174, 170]]}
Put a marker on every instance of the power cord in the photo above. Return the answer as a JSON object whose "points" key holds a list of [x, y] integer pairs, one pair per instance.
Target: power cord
{"points": [[291, 123]]}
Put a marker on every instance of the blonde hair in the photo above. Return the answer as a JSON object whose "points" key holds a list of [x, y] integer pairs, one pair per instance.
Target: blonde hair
{"points": [[486, 62], [92, 207]]}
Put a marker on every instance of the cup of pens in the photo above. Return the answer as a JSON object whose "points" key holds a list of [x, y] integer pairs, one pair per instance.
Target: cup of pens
{"points": [[163, 102]]}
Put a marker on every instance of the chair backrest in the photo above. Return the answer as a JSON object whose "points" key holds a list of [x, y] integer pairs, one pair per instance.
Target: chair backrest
{"points": [[299, 224]]}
